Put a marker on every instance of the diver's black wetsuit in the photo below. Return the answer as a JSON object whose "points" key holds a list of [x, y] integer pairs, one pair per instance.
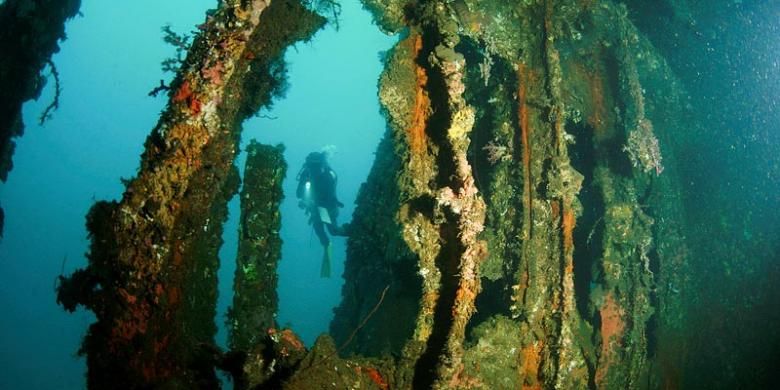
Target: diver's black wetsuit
{"points": [[321, 180]]}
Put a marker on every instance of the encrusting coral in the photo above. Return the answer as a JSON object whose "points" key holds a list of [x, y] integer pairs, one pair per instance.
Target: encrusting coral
{"points": [[514, 241], [562, 115], [156, 299], [259, 247]]}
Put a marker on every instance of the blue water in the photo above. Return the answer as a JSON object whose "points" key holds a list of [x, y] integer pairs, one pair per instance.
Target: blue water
{"points": [[109, 63]]}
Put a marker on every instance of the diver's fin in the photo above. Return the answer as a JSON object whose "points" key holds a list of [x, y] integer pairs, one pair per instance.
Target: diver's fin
{"points": [[325, 269]]}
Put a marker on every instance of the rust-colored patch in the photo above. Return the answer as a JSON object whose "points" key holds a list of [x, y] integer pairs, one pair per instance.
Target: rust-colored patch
{"points": [[124, 330], [599, 113], [530, 362], [522, 286], [596, 104], [161, 344], [612, 327], [126, 296], [292, 339], [555, 210], [671, 370], [149, 372], [152, 372], [523, 78], [183, 93], [287, 337], [177, 255], [612, 324], [422, 103], [376, 377], [463, 297], [460, 380], [174, 295], [194, 105], [568, 228]]}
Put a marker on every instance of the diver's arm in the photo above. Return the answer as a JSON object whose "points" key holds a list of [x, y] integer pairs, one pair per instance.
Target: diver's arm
{"points": [[334, 180]]}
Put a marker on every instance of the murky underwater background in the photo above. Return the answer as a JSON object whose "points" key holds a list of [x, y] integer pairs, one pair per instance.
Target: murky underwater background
{"points": [[727, 57], [79, 156]]}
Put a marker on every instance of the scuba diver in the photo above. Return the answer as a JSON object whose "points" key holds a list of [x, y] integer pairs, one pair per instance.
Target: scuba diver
{"points": [[317, 195]]}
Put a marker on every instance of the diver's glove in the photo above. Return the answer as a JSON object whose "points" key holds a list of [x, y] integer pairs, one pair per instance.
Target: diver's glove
{"points": [[346, 229]]}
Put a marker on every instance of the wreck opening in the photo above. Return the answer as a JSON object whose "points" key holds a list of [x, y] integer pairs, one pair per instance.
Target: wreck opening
{"points": [[447, 261], [314, 115], [494, 154], [589, 234]]}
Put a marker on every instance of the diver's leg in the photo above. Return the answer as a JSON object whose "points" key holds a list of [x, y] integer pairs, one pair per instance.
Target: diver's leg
{"points": [[325, 266], [326, 247], [320, 231], [333, 227]]}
